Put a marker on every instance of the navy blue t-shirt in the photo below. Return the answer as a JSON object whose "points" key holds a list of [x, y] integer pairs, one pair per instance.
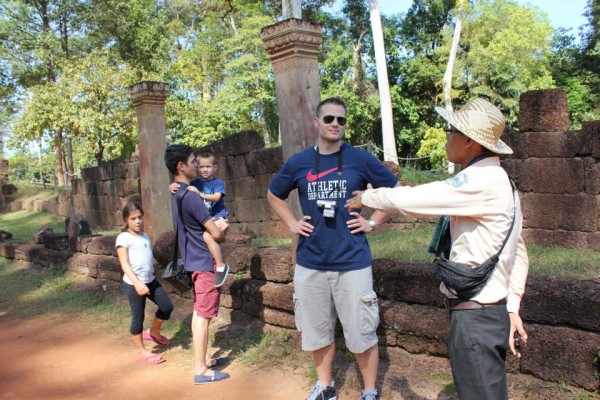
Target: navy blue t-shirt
{"points": [[331, 246], [194, 251], [212, 186]]}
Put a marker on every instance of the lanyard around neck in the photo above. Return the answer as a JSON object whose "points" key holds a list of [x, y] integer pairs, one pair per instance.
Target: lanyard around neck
{"points": [[340, 161]]}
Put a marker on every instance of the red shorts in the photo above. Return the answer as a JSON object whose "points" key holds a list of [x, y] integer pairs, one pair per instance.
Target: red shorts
{"points": [[206, 296]]}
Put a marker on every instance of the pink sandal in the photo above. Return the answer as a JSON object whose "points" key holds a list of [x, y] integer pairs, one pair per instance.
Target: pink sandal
{"points": [[151, 360], [163, 341]]}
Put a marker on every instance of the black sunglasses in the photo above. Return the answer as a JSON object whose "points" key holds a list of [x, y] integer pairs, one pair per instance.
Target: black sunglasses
{"points": [[329, 119]]}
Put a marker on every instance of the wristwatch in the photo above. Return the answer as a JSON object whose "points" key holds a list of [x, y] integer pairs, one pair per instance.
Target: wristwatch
{"points": [[372, 224]]}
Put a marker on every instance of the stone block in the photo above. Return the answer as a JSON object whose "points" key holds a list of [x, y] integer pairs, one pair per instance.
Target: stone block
{"points": [[544, 111], [278, 318], [132, 169], [592, 176], [51, 258], [42, 235], [561, 354], [58, 241], [233, 167], [273, 264], [592, 129], [577, 212], [543, 211], [77, 186], [8, 189], [555, 237], [556, 144], [97, 266], [409, 283], [236, 287], [513, 140], [91, 188], [28, 251], [555, 175], [80, 244], [567, 302], [246, 188], [270, 294], [128, 187], [7, 250], [90, 174], [253, 210], [512, 168], [239, 257], [162, 249], [240, 143], [102, 245], [418, 320], [265, 161]]}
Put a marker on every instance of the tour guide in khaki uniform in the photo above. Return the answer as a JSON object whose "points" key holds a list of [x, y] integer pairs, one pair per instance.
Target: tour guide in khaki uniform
{"points": [[481, 206]]}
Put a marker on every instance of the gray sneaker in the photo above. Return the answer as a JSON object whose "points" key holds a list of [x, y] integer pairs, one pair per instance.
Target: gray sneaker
{"points": [[370, 394], [322, 392], [221, 276]]}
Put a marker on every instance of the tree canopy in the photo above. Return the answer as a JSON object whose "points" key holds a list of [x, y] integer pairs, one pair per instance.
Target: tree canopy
{"points": [[65, 66]]}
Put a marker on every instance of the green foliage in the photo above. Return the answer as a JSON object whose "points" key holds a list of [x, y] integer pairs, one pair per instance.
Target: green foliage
{"points": [[98, 113], [70, 86], [433, 145], [504, 52]]}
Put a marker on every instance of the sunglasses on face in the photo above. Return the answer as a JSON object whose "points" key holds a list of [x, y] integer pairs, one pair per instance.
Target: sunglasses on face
{"points": [[329, 119]]}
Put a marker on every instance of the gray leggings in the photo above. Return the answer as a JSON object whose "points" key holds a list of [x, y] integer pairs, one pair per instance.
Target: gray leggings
{"points": [[138, 304]]}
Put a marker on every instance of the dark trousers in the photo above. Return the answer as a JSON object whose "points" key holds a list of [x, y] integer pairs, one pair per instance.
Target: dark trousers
{"points": [[138, 304], [477, 346]]}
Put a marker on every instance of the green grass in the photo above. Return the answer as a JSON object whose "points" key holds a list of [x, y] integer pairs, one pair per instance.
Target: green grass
{"points": [[444, 381], [417, 177], [408, 245], [25, 190], [23, 224], [411, 246], [28, 292]]}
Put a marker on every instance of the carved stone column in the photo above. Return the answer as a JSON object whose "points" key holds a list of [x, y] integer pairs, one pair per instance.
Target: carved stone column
{"points": [[149, 99], [293, 45]]}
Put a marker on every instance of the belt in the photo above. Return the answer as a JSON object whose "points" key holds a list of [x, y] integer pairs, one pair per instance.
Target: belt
{"points": [[459, 304]]}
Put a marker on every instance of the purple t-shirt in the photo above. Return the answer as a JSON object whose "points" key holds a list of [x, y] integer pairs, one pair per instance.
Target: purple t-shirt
{"points": [[193, 248]]}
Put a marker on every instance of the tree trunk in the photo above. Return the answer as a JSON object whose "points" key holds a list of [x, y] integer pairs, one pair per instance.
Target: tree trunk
{"points": [[60, 166], [447, 88], [291, 9], [387, 121], [357, 74], [69, 160]]}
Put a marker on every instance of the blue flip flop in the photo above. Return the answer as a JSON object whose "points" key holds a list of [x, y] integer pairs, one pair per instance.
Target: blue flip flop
{"points": [[204, 379], [219, 361]]}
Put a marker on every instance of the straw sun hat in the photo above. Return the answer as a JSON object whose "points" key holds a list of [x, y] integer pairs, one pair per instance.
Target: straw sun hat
{"points": [[481, 121]]}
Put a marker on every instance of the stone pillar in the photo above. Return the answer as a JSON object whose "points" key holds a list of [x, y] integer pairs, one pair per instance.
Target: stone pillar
{"points": [[149, 99], [293, 45], [544, 111]]}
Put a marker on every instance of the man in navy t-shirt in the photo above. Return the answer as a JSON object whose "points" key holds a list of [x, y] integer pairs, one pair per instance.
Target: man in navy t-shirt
{"points": [[194, 221], [333, 275]]}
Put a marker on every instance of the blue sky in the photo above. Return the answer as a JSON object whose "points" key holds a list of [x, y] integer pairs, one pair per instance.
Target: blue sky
{"points": [[562, 13]]}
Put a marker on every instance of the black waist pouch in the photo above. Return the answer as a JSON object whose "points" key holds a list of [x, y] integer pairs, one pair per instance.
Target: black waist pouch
{"points": [[464, 280]]}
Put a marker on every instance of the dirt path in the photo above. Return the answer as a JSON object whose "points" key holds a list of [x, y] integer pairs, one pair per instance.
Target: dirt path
{"points": [[63, 359], [67, 358]]}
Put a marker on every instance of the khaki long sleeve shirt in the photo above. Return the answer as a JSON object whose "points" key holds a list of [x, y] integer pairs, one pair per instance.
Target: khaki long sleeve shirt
{"points": [[481, 205]]}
